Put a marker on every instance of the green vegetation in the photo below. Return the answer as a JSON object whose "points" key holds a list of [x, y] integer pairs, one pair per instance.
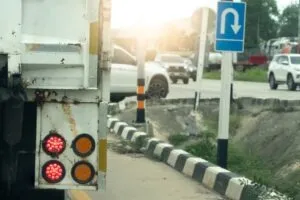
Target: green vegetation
{"points": [[241, 161], [252, 75], [178, 139]]}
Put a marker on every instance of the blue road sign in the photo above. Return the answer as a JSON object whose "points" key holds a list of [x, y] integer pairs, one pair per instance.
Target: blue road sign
{"points": [[230, 27]]}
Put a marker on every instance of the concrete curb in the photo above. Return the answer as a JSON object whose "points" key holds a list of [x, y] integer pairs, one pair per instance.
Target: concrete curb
{"points": [[220, 180], [115, 108]]}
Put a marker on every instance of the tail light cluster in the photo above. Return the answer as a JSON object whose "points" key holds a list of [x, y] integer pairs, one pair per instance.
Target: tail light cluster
{"points": [[54, 171]]}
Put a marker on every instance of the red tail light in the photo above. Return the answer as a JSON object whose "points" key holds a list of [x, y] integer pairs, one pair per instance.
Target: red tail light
{"points": [[53, 171], [54, 144]]}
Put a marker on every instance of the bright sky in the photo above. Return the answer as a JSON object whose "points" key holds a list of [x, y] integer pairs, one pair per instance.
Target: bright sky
{"points": [[129, 12]]}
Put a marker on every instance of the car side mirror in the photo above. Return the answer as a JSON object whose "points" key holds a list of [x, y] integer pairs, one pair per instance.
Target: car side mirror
{"points": [[285, 63]]}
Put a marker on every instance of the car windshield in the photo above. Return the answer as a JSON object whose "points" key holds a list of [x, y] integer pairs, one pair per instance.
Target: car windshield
{"points": [[174, 59], [295, 60]]}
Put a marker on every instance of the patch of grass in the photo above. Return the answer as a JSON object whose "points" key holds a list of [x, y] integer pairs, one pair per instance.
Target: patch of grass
{"points": [[214, 75], [205, 148], [252, 75], [212, 124], [178, 139], [234, 123], [248, 164], [290, 185]]}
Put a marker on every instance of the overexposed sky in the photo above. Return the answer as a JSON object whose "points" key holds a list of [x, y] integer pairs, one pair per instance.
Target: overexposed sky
{"points": [[127, 13]]}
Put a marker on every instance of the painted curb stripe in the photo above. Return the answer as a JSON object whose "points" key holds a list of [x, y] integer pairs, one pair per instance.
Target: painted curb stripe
{"points": [[200, 169], [181, 160], [121, 128], [130, 134], [112, 125], [152, 146], [222, 181], [166, 153]]}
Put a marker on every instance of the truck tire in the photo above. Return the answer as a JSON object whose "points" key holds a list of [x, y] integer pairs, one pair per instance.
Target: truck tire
{"points": [[174, 80], [158, 88], [185, 81]]}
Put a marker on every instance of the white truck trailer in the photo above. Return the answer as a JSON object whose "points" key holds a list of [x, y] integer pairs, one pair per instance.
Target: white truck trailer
{"points": [[55, 58]]}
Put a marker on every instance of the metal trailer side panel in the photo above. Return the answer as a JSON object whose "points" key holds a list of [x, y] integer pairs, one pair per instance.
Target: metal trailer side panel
{"points": [[50, 41]]}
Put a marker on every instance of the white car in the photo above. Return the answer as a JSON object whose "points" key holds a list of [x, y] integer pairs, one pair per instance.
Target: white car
{"points": [[175, 65], [124, 77], [284, 69]]}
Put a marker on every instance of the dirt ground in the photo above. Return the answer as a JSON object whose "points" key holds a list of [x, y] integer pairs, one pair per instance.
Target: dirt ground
{"points": [[271, 133]]}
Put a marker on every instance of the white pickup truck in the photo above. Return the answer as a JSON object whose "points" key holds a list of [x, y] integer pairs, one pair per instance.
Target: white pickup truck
{"points": [[124, 77]]}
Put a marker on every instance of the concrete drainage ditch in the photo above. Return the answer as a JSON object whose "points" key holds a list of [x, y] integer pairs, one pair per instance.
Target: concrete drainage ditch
{"points": [[263, 135]]}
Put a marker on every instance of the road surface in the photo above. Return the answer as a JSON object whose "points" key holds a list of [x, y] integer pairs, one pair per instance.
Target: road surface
{"points": [[212, 88], [138, 178]]}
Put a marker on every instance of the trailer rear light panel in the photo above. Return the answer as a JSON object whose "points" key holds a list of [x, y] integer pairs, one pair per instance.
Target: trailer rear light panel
{"points": [[67, 141]]}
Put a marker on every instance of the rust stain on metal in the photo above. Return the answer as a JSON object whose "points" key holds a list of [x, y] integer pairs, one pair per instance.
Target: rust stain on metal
{"points": [[72, 123]]}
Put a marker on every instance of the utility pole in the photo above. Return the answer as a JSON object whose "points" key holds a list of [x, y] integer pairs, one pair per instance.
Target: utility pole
{"points": [[201, 54], [141, 54]]}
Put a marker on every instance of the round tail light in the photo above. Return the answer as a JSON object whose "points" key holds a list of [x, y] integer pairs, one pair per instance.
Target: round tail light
{"points": [[83, 172], [54, 144], [53, 171], [83, 145]]}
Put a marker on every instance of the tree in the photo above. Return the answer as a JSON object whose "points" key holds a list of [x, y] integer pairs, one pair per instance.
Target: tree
{"points": [[261, 21], [289, 21]]}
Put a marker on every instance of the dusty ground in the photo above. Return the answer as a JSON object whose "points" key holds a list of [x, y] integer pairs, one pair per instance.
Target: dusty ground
{"points": [[271, 133], [134, 177]]}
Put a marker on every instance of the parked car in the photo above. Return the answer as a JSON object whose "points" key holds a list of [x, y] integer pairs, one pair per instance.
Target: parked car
{"points": [[284, 69], [124, 77], [175, 65]]}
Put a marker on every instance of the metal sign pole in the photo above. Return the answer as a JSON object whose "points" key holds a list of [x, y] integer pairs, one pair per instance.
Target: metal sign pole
{"points": [[201, 56], [230, 37], [224, 111]]}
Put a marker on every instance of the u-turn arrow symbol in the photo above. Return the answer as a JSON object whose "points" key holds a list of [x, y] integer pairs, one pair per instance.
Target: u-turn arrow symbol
{"points": [[236, 26]]}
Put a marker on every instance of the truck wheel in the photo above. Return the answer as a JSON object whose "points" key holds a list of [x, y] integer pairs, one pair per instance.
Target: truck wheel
{"points": [[158, 88], [174, 80], [186, 81], [291, 83]]}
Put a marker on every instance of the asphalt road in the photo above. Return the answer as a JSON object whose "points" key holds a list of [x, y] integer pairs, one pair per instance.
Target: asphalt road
{"points": [[132, 177], [212, 88]]}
